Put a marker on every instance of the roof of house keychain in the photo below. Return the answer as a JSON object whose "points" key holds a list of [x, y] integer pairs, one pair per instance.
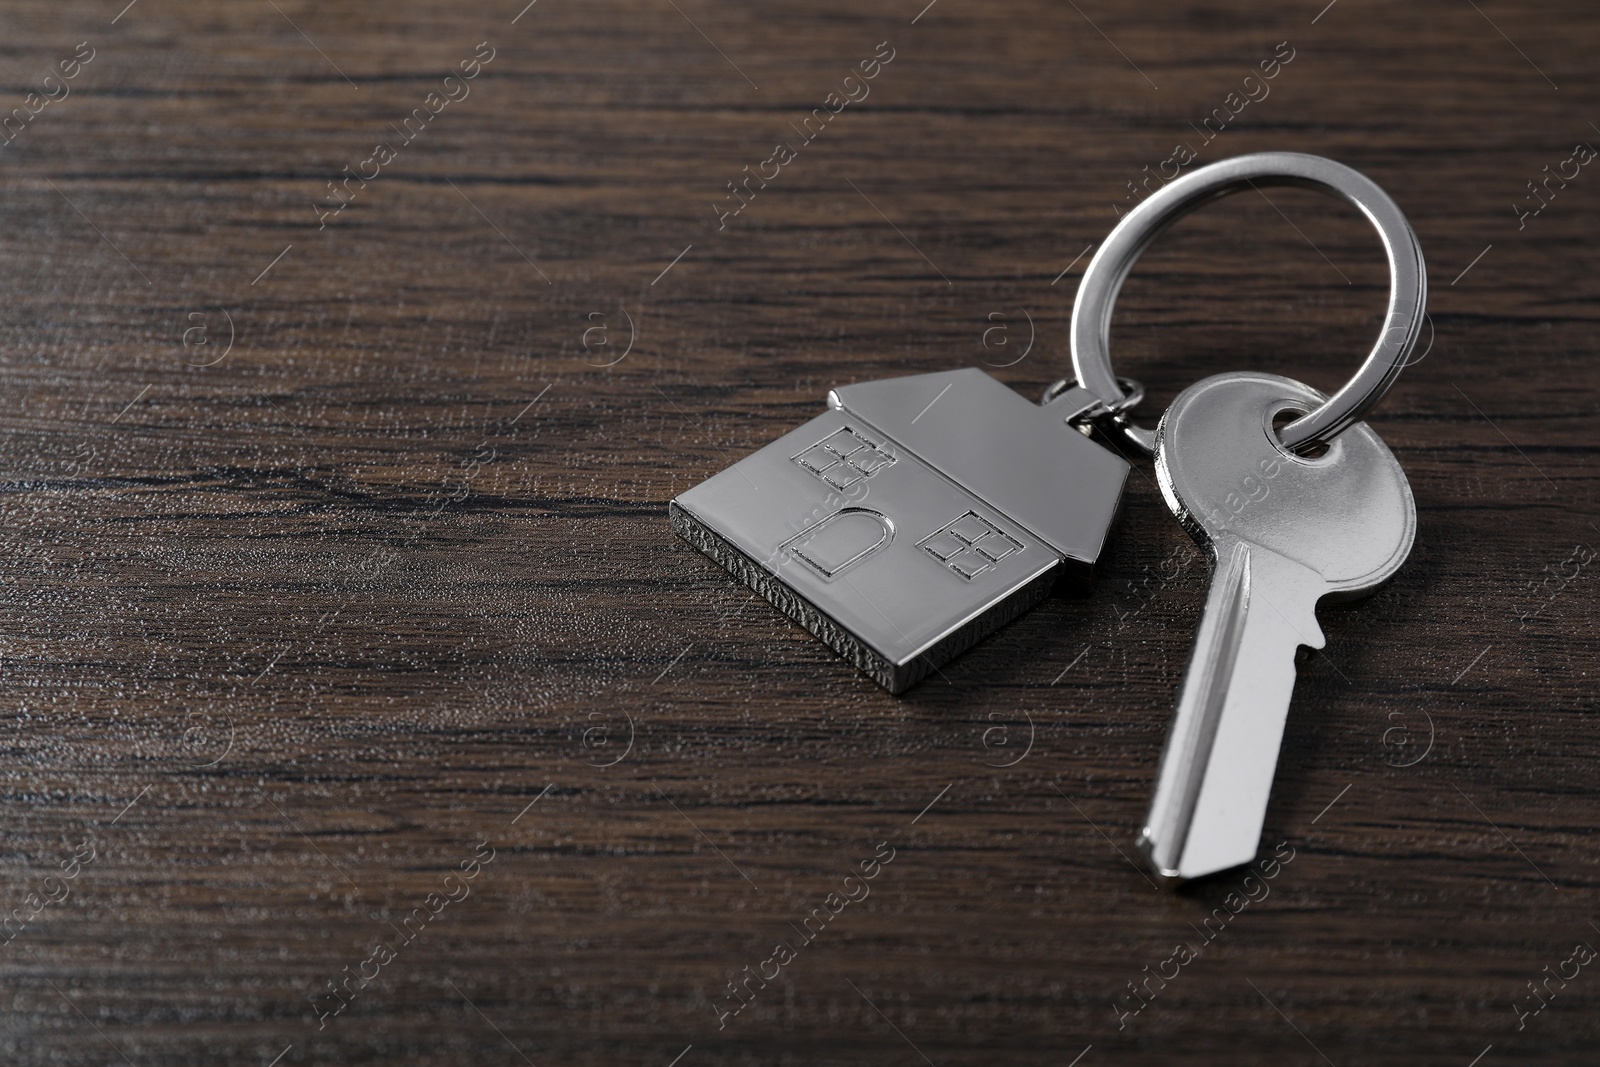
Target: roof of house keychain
{"points": [[1333, 518]]}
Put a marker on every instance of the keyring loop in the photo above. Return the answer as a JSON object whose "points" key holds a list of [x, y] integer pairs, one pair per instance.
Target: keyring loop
{"points": [[1133, 396], [1408, 283]]}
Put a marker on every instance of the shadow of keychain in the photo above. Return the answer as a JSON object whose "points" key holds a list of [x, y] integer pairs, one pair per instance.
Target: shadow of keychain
{"points": [[919, 514]]}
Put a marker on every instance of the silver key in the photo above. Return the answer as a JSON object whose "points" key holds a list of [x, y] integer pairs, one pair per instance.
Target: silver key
{"points": [[1284, 532]]}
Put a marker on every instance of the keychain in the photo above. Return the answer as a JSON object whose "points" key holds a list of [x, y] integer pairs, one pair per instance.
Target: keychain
{"points": [[919, 514], [916, 515]]}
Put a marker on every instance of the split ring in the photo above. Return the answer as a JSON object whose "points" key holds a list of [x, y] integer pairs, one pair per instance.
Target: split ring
{"points": [[1408, 284]]}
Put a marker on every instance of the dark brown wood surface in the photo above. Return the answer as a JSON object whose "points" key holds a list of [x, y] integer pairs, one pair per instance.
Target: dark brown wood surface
{"points": [[338, 558]]}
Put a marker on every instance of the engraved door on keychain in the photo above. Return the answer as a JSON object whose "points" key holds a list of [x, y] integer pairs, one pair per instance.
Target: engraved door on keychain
{"points": [[912, 518]]}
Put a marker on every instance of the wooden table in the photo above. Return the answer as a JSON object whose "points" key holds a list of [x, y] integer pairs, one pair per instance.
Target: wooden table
{"points": [[339, 564]]}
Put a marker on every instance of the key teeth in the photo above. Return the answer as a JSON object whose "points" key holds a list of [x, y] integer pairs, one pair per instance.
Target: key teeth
{"points": [[1317, 639], [1298, 610]]}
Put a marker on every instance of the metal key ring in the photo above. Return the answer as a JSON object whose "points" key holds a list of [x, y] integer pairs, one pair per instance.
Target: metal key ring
{"points": [[1408, 284]]}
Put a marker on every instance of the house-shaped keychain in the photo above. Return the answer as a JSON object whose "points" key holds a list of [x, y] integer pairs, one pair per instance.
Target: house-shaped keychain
{"points": [[913, 518]]}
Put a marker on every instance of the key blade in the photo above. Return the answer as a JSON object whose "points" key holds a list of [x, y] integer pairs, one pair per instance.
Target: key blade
{"points": [[1222, 748]]}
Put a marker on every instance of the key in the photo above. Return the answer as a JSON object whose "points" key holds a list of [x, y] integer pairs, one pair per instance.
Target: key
{"points": [[1284, 532]]}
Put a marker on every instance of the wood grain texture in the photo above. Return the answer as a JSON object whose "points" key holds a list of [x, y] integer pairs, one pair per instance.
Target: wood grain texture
{"points": [[290, 632]]}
